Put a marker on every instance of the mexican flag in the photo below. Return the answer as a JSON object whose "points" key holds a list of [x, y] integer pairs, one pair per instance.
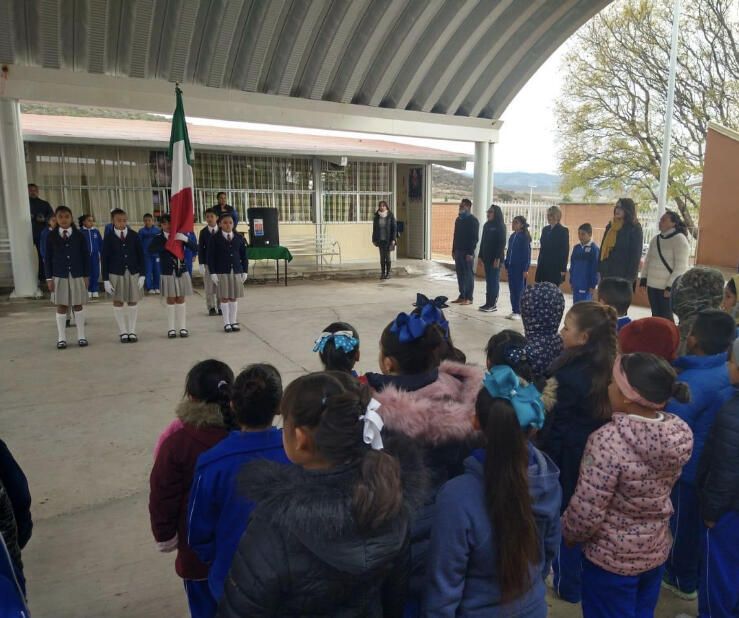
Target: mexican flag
{"points": [[181, 202]]}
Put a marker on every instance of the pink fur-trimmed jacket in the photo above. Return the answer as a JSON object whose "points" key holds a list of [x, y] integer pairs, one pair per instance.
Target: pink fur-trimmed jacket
{"points": [[621, 507]]}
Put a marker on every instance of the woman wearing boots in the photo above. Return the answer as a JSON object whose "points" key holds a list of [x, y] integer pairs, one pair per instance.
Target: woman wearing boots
{"points": [[384, 233]]}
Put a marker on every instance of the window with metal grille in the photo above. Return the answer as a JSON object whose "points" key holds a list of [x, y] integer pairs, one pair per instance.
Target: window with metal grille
{"points": [[353, 192]]}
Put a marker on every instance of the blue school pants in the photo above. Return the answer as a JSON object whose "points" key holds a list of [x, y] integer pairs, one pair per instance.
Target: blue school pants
{"points": [[579, 296], [567, 566], [152, 271], [516, 285], [201, 601], [607, 595], [465, 274], [718, 592], [682, 565], [94, 284]]}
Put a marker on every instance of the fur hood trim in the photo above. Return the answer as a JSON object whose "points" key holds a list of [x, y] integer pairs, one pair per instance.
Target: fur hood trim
{"points": [[200, 414], [549, 394], [439, 413]]}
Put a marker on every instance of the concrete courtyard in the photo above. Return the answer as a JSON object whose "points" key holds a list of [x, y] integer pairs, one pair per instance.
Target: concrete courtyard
{"points": [[83, 423]]}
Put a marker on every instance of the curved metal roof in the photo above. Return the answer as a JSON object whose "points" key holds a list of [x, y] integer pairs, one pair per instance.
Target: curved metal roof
{"points": [[464, 58]]}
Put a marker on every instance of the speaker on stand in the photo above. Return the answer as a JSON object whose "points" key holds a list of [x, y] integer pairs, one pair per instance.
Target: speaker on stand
{"points": [[264, 228]]}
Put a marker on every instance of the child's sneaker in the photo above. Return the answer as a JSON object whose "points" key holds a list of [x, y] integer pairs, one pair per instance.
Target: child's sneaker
{"points": [[681, 594]]}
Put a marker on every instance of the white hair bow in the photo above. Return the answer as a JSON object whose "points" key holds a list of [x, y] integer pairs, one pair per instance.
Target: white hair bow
{"points": [[372, 425]]}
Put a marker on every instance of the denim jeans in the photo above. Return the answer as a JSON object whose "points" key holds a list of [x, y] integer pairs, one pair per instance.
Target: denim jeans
{"points": [[492, 284], [465, 274]]}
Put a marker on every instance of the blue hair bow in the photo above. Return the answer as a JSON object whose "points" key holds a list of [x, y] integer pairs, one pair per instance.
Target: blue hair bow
{"points": [[439, 302], [431, 314], [344, 340], [409, 327], [501, 382]]}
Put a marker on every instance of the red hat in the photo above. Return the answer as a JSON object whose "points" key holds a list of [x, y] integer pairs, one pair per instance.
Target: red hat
{"points": [[650, 335]]}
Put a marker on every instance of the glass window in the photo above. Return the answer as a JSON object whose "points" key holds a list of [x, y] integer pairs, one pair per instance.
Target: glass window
{"points": [[210, 170], [252, 172]]}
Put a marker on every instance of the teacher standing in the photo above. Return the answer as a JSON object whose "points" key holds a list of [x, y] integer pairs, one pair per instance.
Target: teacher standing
{"points": [[466, 235], [384, 235], [554, 250], [620, 252], [492, 249]]}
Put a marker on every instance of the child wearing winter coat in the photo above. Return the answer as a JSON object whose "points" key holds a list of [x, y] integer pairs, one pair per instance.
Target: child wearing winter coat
{"points": [[430, 403], [496, 527], [717, 482], [218, 513], [621, 506], [517, 263], [338, 347], [705, 371], [584, 263], [329, 535], [200, 425], [542, 306], [582, 374]]}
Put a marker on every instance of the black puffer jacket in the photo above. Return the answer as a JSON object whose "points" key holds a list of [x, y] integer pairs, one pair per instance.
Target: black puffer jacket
{"points": [[392, 228], [718, 469], [302, 554]]}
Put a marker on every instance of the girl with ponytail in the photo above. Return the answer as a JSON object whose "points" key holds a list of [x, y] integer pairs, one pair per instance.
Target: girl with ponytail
{"points": [[201, 423], [496, 527], [329, 535], [621, 508]]}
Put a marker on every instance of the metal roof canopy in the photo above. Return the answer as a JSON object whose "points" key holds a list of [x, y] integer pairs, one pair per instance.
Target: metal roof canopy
{"points": [[442, 69]]}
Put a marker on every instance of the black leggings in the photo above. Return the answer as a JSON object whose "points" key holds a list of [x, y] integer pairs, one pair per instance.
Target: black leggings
{"points": [[384, 247], [661, 306]]}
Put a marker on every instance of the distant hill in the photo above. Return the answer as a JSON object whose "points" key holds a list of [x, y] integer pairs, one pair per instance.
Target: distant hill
{"points": [[449, 184]]}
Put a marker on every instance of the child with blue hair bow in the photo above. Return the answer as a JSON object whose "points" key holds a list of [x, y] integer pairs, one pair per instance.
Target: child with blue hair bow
{"points": [[338, 347], [496, 527]]}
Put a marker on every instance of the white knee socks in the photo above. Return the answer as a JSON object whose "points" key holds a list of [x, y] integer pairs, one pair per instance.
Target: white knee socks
{"points": [[170, 316], [181, 315], [233, 311], [225, 310], [132, 314], [61, 323], [80, 316], [120, 319]]}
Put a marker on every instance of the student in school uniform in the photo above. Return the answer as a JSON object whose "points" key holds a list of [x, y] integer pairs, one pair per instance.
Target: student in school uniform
{"points": [[191, 252], [175, 280], [153, 270], [94, 242], [50, 226], [584, 265], [517, 263], [123, 278], [211, 218], [228, 267], [67, 265]]}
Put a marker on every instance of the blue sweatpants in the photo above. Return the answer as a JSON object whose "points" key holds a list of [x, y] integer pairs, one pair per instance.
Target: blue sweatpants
{"points": [[682, 565], [492, 284], [94, 284], [515, 287], [607, 595], [465, 275], [718, 592], [567, 566], [579, 295], [152, 272], [201, 601]]}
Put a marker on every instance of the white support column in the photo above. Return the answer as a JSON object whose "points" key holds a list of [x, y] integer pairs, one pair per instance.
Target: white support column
{"points": [[15, 196], [427, 211], [318, 203], [491, 152], [480, 182]]}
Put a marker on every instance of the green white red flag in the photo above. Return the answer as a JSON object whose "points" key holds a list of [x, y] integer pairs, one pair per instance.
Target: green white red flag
{"points": [[181, 205]]}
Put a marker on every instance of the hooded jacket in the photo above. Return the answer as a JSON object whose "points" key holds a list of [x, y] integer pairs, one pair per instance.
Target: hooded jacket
{"points": [[493, 239], [621, 508], [542, 306], [302, 554], [172, 475], [701, 287], [462, 563]]}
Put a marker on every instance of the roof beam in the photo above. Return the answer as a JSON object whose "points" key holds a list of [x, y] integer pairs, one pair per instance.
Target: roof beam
{"points": [[62, 86], [306, 35]]}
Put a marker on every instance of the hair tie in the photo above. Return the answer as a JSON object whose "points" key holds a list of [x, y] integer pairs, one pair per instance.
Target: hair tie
{"points": [[344, 340], [372, 432], [324, 401], [221, 383], [513, 354], [501, 382], [628, 391]]}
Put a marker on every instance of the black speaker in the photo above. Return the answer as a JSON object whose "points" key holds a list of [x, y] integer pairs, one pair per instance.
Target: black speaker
{"points": [[263, 227]]}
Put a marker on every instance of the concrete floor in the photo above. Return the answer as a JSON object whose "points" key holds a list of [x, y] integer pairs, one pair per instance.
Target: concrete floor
{"points": [[83, 423]]}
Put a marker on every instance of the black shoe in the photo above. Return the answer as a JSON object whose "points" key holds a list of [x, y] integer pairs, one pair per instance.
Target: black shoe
{"points": [[172, 334], [184, 333], [228, 328], [220, 312], [387, 275], [484, 307], [124, 338], [212, 311], [82, 343], [61, 345], [132, 338], [236, 327]]}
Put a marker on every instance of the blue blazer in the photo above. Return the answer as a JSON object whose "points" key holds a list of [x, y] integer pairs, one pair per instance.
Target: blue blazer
{"points": [[94, 240], [584, 266], [169, 263], [66, 258], [222, 257], [42, 241], [203, 239], [518, 256], [118, 256]]}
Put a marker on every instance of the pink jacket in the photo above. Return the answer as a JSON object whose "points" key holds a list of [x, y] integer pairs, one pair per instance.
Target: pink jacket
{"points": [[621, 507]]}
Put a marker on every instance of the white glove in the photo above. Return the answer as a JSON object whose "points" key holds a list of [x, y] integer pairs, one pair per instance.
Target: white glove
{"points": [[182, 237], [108, 287], [141, 282], [201, 268], [168, 546], [243, 277], [214, 278]]}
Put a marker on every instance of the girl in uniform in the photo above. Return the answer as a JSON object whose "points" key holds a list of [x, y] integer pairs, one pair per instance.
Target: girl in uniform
{"points": [[517, 263], [228, 266], [94, 241], [175, 280], [67, 264]]}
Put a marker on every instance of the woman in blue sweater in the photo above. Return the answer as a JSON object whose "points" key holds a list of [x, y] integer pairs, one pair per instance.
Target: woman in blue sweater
{"points": [[517, 263], [496, 527]]}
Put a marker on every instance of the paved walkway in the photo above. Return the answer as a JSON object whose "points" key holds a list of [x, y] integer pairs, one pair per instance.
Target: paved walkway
{"points": [[83, 422]]}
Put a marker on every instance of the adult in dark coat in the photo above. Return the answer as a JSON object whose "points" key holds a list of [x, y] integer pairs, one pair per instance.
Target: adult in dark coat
{"points": [[492, 250], [384, 235], [554, 251], [222, 208], [466, 235], [622, 246], [41, 212]]}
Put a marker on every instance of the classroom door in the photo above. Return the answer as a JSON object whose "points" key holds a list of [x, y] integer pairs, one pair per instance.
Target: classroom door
{"points": [[411, 210]]}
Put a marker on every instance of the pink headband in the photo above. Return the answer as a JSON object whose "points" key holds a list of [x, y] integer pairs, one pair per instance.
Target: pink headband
{"points": [[629, 391]]}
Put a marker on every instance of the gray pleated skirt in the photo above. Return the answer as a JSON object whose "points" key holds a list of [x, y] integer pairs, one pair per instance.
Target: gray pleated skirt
{"points": [[126, 287], [69, 291], [230, 285], [210, 287], [172, 286]]}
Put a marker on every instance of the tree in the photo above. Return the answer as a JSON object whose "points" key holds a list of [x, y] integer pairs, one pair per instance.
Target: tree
{"points": [[611, 110]]}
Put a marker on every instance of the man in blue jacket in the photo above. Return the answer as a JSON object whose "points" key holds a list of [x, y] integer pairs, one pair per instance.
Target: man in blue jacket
{"points": [[705, 371], [466, 235]]}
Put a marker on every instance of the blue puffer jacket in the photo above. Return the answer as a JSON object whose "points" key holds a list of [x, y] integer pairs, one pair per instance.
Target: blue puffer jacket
{"points": [[710, 388], [462, 570]]}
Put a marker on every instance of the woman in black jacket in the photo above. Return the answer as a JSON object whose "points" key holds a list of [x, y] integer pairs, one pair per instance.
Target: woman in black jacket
{"points": [[330, 535], [492, 249], [621, 249], [384, 234], [554, 250]]}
